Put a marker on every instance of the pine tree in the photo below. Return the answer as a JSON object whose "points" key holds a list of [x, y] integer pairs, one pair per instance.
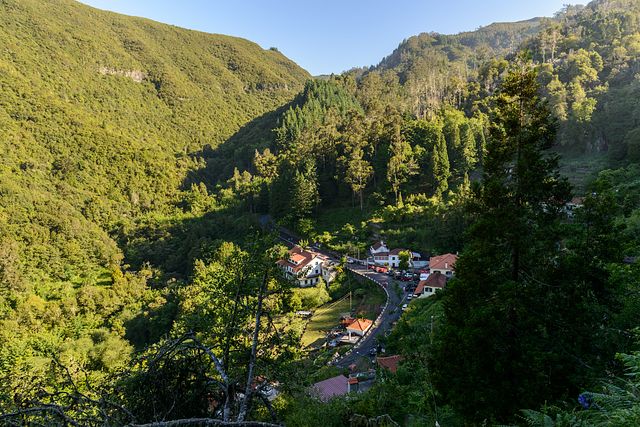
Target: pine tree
{"points": [[469, 149], [358, 173], [358, 170], [440, 166], [266, 164], [402, 164], [492, 356], [304, 192]]}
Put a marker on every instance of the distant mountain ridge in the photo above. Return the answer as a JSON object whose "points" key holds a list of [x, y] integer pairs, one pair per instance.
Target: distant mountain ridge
{"points": [[494, 40]]}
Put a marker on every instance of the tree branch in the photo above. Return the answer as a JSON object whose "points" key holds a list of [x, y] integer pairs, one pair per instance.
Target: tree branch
{"points": [[200, 422]]}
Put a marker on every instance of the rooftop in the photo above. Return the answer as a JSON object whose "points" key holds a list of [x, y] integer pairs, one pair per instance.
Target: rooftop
{"points": [[301, 258], [397, 251], [390, 363], [360, 325], [443, 262], [435, 280], [378, 245], [325, 390]]}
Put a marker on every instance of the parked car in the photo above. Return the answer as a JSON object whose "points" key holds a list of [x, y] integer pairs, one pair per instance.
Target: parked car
{"points": [[409, 297], [404, 306]]}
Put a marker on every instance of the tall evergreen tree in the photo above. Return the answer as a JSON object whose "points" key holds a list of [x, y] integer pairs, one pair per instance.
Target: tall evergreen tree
{"points": [[358, 173], [500, 349], [358, 169], [401, 164], [304, 192], [440, 166], [469, 149]]}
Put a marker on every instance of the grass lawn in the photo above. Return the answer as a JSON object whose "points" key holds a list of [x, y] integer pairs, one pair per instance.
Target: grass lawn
{"points": [[323, 320], [367, 300]]}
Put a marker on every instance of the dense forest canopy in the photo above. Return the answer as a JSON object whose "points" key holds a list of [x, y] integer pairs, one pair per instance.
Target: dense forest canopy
{"points": [[143, 167], [103, 118]]}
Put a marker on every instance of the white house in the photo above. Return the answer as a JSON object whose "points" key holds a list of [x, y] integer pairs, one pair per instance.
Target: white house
{"points": [[329, 272], [381, 258], [378, 248], [359, 327], [571, 206], [418, 261], [444, 264], [305, 267], [394, 257], [430, 285]]}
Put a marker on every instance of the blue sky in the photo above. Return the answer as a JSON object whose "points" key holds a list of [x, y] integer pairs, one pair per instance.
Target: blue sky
{"points": [[331, 35]]}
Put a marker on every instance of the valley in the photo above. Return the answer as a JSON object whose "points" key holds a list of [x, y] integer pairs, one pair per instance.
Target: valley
{"points": [[196, 231]]}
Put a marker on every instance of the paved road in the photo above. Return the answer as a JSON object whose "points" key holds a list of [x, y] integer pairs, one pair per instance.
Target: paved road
{"points": [[390, 315]]}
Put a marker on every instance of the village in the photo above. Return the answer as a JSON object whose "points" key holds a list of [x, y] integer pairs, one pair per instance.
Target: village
{"points": [[349, 333]]}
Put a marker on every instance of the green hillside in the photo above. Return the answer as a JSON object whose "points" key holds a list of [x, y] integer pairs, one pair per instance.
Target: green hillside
{"points": [[468, 49], [138, 161], [103, 116], [103, 119]]}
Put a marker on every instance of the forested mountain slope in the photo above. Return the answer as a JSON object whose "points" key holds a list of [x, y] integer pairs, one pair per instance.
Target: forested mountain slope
{"points": [[103, 115], [102, 118], [135, 157], [466, 50]]}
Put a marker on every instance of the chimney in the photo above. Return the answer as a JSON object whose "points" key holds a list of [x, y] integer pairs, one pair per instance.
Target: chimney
{"points": [[446, 265]]}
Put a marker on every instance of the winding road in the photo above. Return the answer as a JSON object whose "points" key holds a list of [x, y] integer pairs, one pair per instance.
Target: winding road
{"points": [[391, 313]]}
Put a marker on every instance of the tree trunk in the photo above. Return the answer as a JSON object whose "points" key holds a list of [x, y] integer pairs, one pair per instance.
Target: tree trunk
{"points": [[244, 406]]}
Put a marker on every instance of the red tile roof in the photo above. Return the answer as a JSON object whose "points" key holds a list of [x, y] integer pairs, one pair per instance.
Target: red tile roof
{"points": [[390, 362], [360, 325], [435, 280], [297, 258], [301, 256], [347, 321], [443, 262], [577, 201]]}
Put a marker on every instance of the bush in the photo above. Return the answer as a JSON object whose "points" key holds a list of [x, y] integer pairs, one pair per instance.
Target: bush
{"points": [[311, 298]]}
